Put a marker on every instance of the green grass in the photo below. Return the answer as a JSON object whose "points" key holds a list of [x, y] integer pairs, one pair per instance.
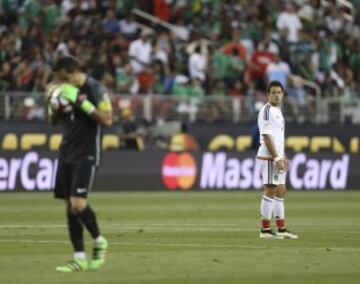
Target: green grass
{"points": [[192, 237]]}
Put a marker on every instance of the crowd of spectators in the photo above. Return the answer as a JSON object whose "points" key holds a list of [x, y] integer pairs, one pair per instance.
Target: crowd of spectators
{"points": [[212, 47]]}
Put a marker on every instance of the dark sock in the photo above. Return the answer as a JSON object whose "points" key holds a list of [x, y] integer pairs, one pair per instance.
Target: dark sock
{"points": [[76, 232], [88, 218]]}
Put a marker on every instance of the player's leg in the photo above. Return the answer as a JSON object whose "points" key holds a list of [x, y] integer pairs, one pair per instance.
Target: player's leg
{"points": [[279, 212], [83, 180], [87, 216], [267, 200], [279, 207], [75, 227], [266, 211]]}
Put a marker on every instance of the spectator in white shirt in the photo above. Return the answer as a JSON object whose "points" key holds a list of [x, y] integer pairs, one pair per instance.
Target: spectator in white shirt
{"points": [[140, 52], [279, 70], [289, 23], [197, 65], [128, 26]]}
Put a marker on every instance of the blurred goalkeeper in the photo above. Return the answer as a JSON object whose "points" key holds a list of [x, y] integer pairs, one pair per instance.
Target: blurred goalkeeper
{"points": [[79, 154]]}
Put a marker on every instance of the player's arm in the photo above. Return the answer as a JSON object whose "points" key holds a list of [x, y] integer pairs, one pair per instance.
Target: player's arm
{"points": [[101, 117], [269, 143], [52, 115], [286, 161], [103, 111]]}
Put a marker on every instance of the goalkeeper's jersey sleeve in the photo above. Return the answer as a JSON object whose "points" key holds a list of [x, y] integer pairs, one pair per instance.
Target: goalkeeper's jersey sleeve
{"points": [[101, 98]]}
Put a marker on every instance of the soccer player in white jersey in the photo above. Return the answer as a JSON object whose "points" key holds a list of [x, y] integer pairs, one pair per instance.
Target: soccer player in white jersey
{"points": [[274, 164]]}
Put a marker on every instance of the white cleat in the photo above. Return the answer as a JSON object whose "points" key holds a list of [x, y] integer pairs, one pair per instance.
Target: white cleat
{"points": [[285, 234], [268, 234]]}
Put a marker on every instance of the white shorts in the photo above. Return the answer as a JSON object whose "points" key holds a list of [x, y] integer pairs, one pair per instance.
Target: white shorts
{"points": [[270, 174]]}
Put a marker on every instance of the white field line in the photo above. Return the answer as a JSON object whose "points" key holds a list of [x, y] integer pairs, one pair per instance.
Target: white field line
{"points": [[184, 245], [191, 245], [126, 225], [177, 225], [30, 226], [158, 227], [151, 227]]}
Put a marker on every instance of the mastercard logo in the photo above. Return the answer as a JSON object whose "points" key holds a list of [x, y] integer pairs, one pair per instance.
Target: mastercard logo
{"points": [[178, 171]]}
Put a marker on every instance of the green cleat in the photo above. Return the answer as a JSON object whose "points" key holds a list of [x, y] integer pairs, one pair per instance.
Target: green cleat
{"points": [[74, 265], [99, 254]]}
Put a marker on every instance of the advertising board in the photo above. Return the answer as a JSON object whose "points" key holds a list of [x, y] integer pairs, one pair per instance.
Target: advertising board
{"points": [[159, 170]]}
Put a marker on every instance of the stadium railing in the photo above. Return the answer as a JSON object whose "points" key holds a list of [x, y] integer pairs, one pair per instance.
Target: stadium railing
{"points": [[317, 110]]}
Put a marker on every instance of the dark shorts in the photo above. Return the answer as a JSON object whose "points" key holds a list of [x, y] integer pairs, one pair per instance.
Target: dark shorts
{"points": [[74, 178]]}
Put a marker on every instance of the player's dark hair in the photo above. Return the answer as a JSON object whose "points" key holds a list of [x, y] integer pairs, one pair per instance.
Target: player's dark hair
{"points": [[274, 84], [67, 63]]}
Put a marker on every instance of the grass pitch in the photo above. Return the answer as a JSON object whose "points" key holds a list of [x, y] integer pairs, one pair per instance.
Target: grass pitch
{"points": [[185, 237]]}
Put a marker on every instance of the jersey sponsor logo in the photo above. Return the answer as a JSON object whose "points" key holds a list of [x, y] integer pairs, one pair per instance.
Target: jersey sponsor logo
{"points": [[178, 171], [267, 124], [90, 158], [81, 190]]}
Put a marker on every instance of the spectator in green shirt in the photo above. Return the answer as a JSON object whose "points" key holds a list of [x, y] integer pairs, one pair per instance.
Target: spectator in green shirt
{"points": [[219, 64], [355, 62], [9, 8], [235, 69], [29, 14], [51, 16]]}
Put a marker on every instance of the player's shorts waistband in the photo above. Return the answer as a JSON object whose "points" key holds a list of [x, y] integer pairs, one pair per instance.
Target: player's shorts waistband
{"points": [[265, 158]]}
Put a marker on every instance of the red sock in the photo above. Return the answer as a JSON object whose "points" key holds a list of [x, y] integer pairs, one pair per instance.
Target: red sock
{"points": [[280, 223], [265, 224]]}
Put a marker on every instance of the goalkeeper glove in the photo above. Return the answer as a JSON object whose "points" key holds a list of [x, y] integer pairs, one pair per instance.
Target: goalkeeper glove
{"points": [[71, 93]]}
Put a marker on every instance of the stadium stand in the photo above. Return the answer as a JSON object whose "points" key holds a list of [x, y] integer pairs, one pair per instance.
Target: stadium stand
{"points": [[213, 56]]}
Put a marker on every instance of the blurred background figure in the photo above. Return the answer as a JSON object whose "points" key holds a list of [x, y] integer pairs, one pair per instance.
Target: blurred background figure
{"points": [[183, 141], [130, 134]]}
